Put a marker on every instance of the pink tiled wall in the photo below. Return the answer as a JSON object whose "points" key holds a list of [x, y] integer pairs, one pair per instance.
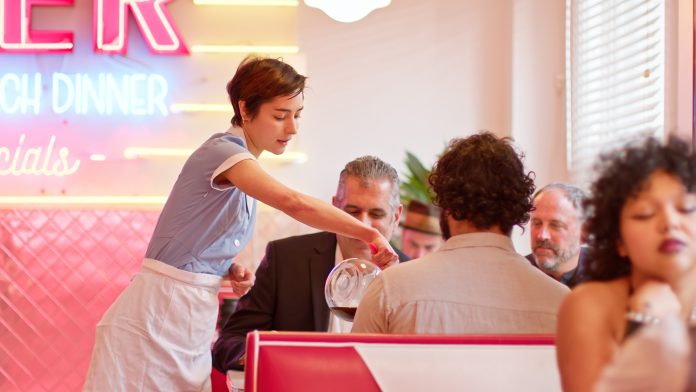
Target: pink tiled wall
{"points": [[59, 272]]}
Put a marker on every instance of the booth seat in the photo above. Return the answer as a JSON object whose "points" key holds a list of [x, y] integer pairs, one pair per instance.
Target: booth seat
{"points": [[311, 361]]}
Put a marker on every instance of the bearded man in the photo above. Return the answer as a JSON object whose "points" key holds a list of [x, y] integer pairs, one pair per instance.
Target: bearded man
{"points": [[557, 234]]}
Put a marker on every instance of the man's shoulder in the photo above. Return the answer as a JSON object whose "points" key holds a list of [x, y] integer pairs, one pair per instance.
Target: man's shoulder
{"points": [[535, 278], [413, 268], [312, 239], [584, 255], [581, 271], [402, 256]]}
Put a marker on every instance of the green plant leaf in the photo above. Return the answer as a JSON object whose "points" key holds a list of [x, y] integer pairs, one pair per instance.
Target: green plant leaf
{"points": [[416, 168], [415, 183]]}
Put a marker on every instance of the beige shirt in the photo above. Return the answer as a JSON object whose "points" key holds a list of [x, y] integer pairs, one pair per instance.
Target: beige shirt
{"points": [[475, 284]]}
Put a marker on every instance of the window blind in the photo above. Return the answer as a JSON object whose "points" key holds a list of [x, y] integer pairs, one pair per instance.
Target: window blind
{"points": [[615, 56]]}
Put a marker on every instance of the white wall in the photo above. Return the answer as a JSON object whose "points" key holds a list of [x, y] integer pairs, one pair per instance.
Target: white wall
{"points": [[680, 68], [407, 77], [418, 73], [538, 87], [538, 92]]}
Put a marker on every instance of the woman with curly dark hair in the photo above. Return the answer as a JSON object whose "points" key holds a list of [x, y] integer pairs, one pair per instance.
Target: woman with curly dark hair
{"points": [[475, 282], [642, 232]]}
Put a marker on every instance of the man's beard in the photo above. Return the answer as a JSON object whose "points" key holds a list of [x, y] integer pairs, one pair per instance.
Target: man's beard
{"points": [[561, 256]]}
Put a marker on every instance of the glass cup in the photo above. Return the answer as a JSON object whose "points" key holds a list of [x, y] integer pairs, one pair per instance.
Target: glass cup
{"points": [[346, 285]]}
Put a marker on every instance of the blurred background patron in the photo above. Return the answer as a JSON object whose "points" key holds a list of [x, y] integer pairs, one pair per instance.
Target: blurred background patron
{"points": [[420, 231]]}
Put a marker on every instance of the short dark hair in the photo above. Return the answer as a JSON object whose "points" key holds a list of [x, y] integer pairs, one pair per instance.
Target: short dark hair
{"points": [[623, 174], [258, 80], [481, 179], [369, 168]]}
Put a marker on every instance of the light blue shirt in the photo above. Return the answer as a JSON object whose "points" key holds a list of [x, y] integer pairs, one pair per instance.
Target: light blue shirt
{"points": [[203, 225]]}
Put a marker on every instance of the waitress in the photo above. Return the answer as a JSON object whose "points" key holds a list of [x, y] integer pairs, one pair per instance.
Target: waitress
{"points": [[157, 334]]}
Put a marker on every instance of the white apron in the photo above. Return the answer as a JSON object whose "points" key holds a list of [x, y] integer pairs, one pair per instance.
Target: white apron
{"points": [[157, 335]]}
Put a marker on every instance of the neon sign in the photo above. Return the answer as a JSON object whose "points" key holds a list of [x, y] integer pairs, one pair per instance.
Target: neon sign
{"points": [[137, 94], [17, 94], [72, 114], [110, 27], [37, 160]]}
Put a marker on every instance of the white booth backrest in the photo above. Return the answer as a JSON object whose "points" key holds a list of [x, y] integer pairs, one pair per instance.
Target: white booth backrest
{"points": [[336, 362]]}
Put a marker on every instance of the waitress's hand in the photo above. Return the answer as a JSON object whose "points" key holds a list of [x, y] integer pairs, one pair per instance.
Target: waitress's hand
{"points": [[241, 279], [382, 253]]}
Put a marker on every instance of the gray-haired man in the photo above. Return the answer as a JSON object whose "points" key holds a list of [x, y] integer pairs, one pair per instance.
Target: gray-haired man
{"points": [[289, 290], [556, 233]]}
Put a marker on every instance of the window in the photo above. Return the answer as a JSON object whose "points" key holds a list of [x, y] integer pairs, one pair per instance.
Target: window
{"points": [[615, 57]]}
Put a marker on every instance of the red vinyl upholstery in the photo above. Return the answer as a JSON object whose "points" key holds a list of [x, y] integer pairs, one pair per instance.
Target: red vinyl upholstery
{"points": [[310, 361], [218, 382]]}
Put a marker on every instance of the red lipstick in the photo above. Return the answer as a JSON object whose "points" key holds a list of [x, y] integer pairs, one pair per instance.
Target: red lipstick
{"points": [[671, 246]]}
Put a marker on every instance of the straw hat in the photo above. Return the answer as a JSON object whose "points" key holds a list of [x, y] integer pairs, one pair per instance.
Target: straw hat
{"points": [[422, 217]]}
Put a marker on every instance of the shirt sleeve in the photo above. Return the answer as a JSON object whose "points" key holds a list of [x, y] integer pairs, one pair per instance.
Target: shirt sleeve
{"points": [[223, 153]]}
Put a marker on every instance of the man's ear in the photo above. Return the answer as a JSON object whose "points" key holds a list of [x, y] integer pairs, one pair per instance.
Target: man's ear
{"points": [[397, 214]]}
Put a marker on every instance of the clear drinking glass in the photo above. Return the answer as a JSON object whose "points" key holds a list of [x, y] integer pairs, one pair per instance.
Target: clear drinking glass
{"points": [[346, 284]]}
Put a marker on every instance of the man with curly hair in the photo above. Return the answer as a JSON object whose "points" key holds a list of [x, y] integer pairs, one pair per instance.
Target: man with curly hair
{"points": [[475, 283]]}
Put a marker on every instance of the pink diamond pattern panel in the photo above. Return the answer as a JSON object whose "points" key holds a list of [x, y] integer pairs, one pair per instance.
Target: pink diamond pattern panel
{"points": [[59, 272]]}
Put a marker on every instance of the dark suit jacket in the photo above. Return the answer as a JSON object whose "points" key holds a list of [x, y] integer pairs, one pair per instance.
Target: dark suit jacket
{"points": [[288, 295]]}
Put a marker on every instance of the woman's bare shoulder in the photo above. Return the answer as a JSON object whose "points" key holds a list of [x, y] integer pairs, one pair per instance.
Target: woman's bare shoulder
{"points": [[597, 299]]}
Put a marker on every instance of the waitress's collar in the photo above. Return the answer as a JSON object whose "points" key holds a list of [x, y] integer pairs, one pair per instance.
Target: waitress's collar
{"points": [[239, 132], [236, 131]]}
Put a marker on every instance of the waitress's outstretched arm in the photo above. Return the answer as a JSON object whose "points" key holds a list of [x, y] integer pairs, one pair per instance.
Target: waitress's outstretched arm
{"points": [[251, 179]]}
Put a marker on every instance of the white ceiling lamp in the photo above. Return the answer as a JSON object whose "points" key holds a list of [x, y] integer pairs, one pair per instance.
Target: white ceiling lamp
{"points": [[347, 10]]}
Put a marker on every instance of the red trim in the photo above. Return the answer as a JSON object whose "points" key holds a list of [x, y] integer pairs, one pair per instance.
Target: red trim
{"points": [[272, 364], [287, 368], [226, 292], [406, 339], [218, 382], [251, 362]]}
